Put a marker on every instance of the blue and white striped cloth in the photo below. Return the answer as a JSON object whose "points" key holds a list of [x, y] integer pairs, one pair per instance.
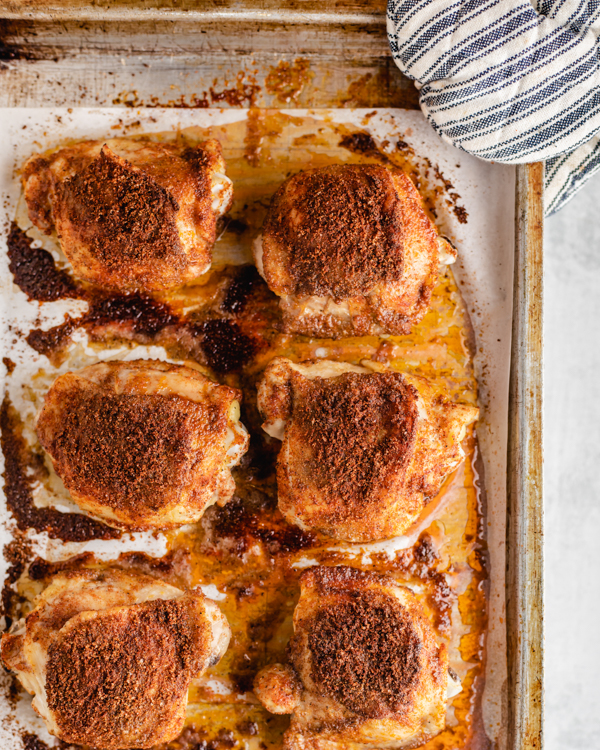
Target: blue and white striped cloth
{"points": [[512, 81]]}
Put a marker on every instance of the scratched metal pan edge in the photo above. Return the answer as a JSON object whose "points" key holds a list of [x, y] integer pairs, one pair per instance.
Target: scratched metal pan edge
{"points": [[54, 56]]}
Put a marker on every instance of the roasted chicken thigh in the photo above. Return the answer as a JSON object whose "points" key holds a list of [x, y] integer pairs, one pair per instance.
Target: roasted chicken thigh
{"points": [[131, 215], [143, 444], [363, 450], [366, 666], [350, 251], [109, 656]]}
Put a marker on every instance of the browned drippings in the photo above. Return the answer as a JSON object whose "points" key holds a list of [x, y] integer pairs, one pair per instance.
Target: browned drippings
{"points": [[286, 80], [35, 272], [244, 525], [223, 342]]}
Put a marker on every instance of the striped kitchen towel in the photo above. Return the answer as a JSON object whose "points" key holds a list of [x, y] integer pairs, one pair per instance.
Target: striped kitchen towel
{"points": [[513, 81]]}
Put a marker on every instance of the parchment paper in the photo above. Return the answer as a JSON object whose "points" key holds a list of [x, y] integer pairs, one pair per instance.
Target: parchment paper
{"points": [[484, 272]]}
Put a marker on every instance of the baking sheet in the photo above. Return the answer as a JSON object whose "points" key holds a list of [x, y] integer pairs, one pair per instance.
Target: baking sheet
{"points": [[484, 272]]}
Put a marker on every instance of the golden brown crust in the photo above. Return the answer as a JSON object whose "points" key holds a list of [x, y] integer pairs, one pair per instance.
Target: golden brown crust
{"points": [[362, 451], [136, 456], [365, 654], [120, 214], [119, 678], [355, 236], [130, 215], [278, 688]]}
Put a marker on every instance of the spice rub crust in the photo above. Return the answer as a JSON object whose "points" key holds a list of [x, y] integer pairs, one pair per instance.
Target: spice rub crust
{"points": [[143, 444], [365, 654], [120, 678], [363, 451], [344, 233], [130, 215], [350, 250]]}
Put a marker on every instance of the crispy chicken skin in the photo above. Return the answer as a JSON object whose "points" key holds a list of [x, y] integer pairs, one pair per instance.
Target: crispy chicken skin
{"points": [[109, 656], [366, 667], [362, 450], [350, 251], [143, 444], [131, 215]]}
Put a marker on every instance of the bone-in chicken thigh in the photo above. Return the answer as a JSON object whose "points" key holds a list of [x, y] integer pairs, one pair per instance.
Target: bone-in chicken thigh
{"points": [[131, 215], [109, 656], [365, 666], [363, 450], [143, 444], [350, 251]]}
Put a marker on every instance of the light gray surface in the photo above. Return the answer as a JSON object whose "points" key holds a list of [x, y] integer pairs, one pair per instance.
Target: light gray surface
{"points": [[572, 472]]}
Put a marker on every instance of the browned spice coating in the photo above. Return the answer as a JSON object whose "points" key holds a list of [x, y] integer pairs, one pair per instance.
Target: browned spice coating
{"points": [[365, 653], [358, 429], [121, 213], [121, 674], [349, 234], [129, 447]]}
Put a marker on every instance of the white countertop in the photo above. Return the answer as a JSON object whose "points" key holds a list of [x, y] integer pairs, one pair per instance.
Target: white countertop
{"points": [[572, 473]]}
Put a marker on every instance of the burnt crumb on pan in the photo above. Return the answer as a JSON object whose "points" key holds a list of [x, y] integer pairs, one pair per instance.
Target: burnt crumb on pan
{"points": [[17, 554], [239, 290], [461, 214], [197, 738], [364, 143], [35, 272], [143, 314], [31, 742], [69, 527], [225, 345], [9, 364], [243, 93], [52, 340], [424, 550], [404, 146]]}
